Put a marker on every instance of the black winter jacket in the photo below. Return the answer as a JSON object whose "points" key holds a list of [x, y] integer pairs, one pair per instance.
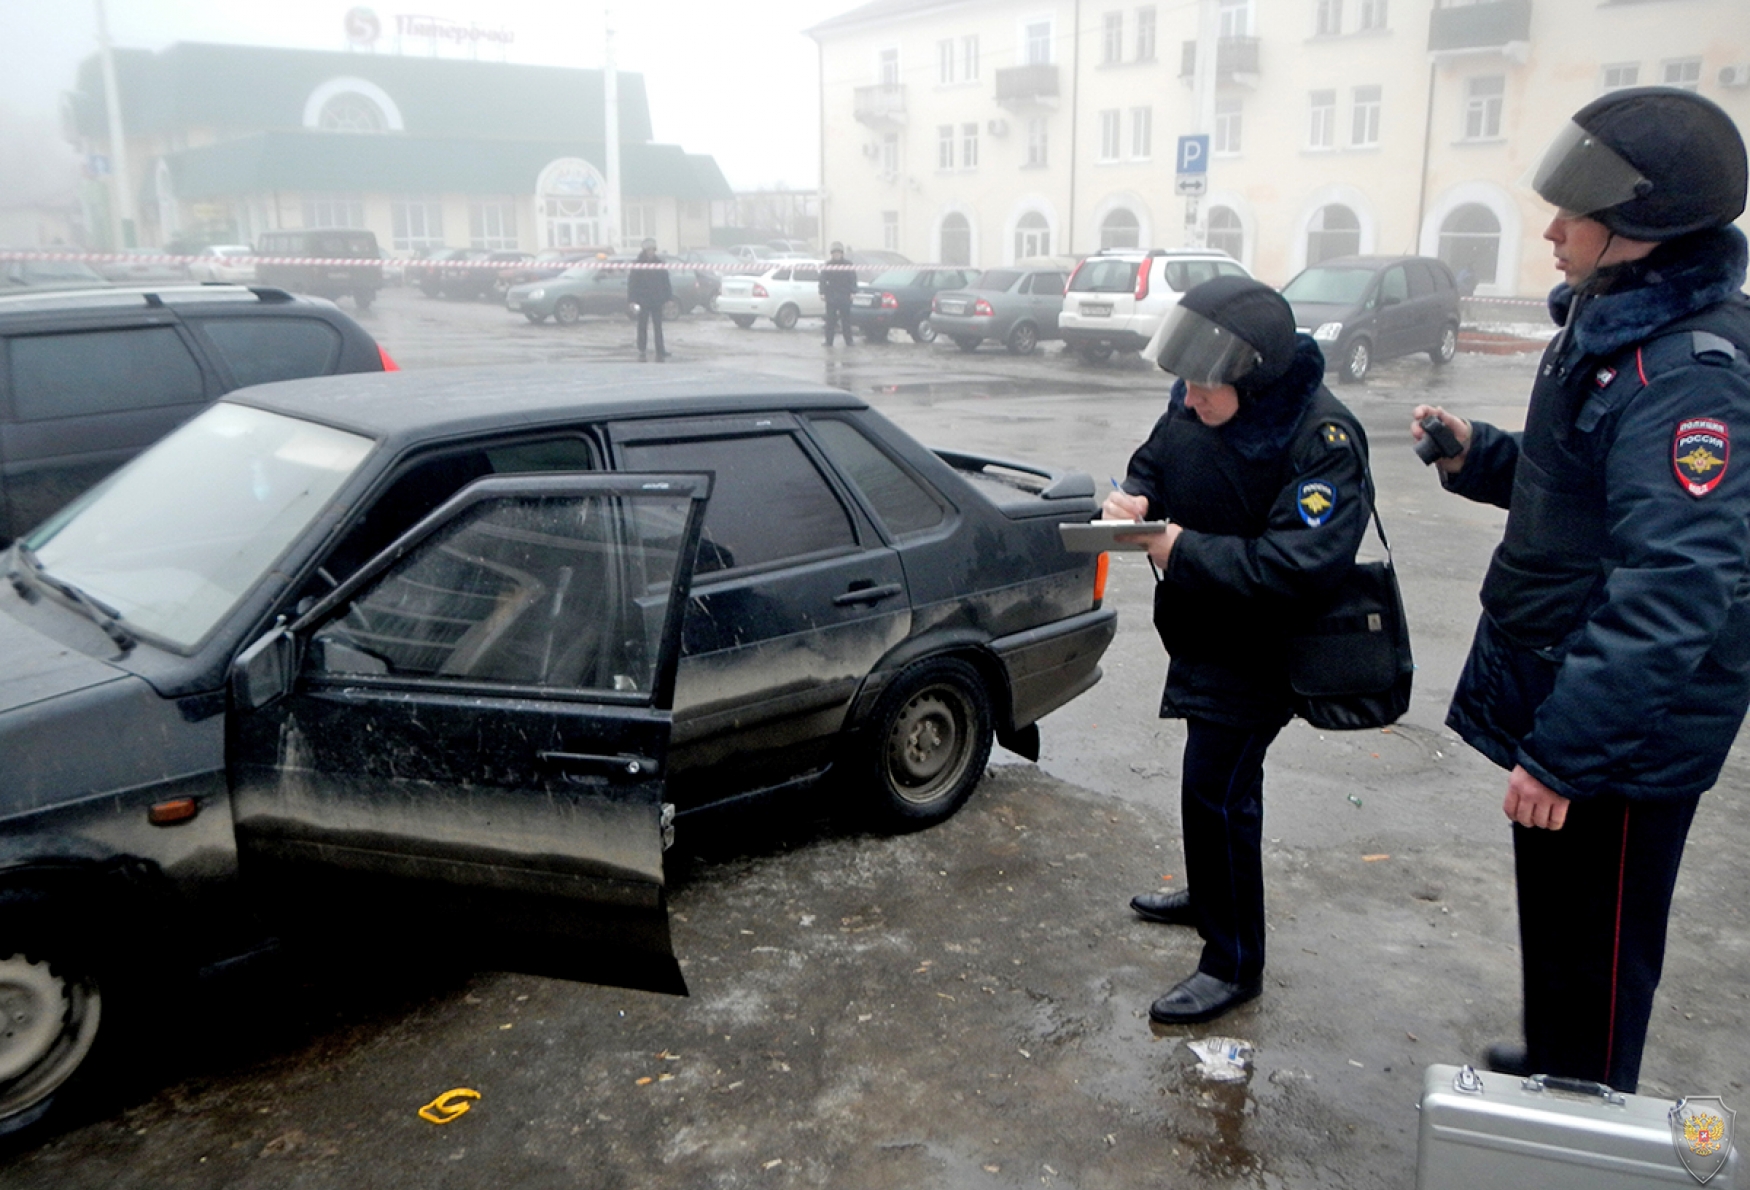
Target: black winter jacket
{"points": [[649, 285], [1273, 508], [1613, 654], [838, 280]]}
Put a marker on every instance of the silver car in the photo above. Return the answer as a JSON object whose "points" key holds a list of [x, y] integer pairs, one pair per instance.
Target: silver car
{"points": [[1017, 307]]}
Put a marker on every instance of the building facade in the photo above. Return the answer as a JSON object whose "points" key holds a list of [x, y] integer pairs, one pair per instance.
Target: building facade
{"points": [[225, 142], [983, 131]]}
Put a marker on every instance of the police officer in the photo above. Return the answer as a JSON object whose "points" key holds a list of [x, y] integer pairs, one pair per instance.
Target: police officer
{"points": [[1611, 666], [1260, 471], [650, 290], [838, 281]]}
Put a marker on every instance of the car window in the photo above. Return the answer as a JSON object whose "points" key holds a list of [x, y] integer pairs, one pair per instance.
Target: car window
{"points": [[521, 590], [1329, 286], [1050, 284], [1183, 274], [808, 274], [101, 372], [897, 278], [781, 275], [1393, 285], [259, 350], [769, 501], [904, 505], [1421, 281], [1228, 268], [997, 279], [1104, 276]]}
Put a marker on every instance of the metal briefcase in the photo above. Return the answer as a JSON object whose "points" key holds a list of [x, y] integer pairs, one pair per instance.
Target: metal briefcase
{"points": [[1480, 1130]]}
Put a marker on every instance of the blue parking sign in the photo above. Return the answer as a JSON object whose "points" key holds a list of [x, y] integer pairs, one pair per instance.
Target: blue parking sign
{"points": [[1194, 154]]}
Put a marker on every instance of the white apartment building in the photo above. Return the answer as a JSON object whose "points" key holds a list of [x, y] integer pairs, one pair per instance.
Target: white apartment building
{"points": [[982, 131]]}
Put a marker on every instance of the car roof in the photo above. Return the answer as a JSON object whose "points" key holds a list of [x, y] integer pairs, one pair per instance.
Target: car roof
{"points": [[1370, 262], [411, 408], [140, 297]]}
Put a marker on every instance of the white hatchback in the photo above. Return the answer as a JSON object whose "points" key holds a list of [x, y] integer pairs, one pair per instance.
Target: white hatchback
{"points": [[1116, 299], [786, 291]]}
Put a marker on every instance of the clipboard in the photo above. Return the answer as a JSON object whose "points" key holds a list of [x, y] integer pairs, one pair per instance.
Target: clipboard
{"points": [[1096, 537]]}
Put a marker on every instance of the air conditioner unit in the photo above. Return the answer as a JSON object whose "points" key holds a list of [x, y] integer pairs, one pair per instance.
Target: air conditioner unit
{"points": [[998, 128], [1735, 76], [871, 149]]}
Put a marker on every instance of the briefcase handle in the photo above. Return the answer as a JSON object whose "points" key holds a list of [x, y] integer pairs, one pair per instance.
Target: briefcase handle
{"points": [[1576, 1086]]}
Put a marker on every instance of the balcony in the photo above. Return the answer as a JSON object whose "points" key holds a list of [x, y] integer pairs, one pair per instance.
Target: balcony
{"points": [[880, 106], [1236, 60], [1498, 26], [1031, 86]]}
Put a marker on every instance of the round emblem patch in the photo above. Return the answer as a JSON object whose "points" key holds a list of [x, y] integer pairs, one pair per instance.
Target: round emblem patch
{"points": [[1316, 501], [1699, 453]]}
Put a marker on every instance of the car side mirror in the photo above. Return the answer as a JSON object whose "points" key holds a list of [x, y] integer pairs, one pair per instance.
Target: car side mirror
{"points": [[263, 673]]}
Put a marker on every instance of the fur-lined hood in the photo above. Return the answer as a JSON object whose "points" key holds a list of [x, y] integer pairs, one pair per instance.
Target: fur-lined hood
{"points": [[1627, 303]]}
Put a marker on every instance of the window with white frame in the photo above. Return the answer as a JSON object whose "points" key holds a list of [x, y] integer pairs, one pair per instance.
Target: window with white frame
{"points": [[1109, 134], [637, 222], [944, 146], [956, 239], [1372, 14], [1328, 17], [1364, 123], [1335, 231], [1614, 76], [1482, 106], [1037, 142], [1321, 132], [1036, 42], [1145, 34], [416, 223], [945, 60], [969, 58], [1226, 136], [1032, 236], [887, 67], [1236, 18], [890, 230], [1112, 38], [351, 112], [1682, 72], [492, 223], [1120, 229], [890, 154], [1226, 232], [334, 210], [969, 145], [1142, 133]]}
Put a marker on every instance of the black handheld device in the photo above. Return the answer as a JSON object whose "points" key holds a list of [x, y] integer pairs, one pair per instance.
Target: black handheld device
{"points": [[1438, 440]]}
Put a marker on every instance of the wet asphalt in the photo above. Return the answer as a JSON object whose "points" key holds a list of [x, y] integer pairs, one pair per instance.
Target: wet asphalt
{"points": [[964, 1007]]}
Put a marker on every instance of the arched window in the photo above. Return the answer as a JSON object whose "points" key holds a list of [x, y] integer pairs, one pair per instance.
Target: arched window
{"points": [[1032, 236], [1470, 244], [956, 240], [1120, 229], [1226, 233], [570, 204], [1335, 231], [351, 112]]}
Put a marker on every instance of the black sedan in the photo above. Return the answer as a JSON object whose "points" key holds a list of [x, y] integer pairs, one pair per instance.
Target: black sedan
{"points": [[899, 299], [340, 652]]}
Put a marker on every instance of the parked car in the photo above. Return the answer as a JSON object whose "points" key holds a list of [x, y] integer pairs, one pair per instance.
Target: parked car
{"points": [[547, 263], [1017, 307], [785, 292], [38, 275], [89, 378], [1363, 309], [231, 263], [477, 275], [426, 660], [343, 262], [141, 266], [1116, 298], [599, 287], [876, 258], [899, 299], [430, 272]]}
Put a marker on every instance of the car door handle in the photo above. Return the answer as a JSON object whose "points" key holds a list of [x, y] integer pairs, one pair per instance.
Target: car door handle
{"points": [[864, 591], [625, 764]]}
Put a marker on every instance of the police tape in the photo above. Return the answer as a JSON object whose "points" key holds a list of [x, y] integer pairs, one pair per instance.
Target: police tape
{"points": [[420, 264]]}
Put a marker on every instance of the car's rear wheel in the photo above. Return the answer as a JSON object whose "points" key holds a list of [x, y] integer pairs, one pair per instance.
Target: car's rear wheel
{"points": [[51, 1007], [566, 311], [1095, 353], [1023, 339], [1447, 347], [742, 320], [967, 342], [927, 744], [923, 331], [429, 288], [786, 316], [1357, 360]]}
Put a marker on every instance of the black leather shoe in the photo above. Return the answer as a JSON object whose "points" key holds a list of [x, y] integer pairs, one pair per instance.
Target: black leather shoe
{"points": [[1508, 1057], [1203, 997], [1170, 908]]}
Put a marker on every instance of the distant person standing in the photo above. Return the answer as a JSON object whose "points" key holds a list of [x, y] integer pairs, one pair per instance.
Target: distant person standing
{"points": [[650, 290], [838, 281]]}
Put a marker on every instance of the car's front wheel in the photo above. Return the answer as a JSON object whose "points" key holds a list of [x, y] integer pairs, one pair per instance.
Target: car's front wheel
{"points": [[927, 744], [1447, 347], [362, 298], [534, 317], [1357, 360], [51, 1007], [566, 311], [786, 316], [923, 331], [1095, 353]]}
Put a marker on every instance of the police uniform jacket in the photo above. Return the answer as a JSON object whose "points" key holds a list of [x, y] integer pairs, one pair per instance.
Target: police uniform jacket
{"points": [[838, 280], [1273, 508], [1613, 653], [649, 287]]}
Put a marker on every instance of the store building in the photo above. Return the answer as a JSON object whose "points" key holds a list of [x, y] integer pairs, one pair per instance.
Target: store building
{"points": [[230, 141], [982, 131]]}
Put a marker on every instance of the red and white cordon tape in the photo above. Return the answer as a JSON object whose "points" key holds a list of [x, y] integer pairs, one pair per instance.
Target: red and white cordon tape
{"points": [[418, 263]]}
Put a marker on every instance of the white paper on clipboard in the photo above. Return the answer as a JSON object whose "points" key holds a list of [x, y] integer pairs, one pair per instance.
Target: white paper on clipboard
{"points": [[1096, 537]]}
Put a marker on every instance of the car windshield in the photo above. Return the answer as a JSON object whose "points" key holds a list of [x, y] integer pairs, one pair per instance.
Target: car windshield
{"points": [[1000, 280], [176, 538], [1329, 286], [898, 278], [1104, 276]]}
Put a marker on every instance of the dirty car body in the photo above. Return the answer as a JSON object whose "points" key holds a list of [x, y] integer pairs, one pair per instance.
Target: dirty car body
{"points": [[472, 639]]}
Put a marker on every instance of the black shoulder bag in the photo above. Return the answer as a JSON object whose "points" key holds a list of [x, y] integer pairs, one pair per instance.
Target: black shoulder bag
{"points": [[1350, 667]]}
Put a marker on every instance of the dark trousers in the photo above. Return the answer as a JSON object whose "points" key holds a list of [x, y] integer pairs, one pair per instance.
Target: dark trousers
{"points": [[838, 310], [650, 316], [1594, 899], [1222, 812]]}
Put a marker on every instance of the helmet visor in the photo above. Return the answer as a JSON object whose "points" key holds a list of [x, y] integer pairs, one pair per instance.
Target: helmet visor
{"points": [[1199, 351], [1580, 174]]}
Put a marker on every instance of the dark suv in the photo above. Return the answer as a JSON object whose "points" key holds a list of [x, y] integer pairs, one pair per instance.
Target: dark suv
{"points": [[89, 378], [331, 262], [899, 300], [1363, 309]]}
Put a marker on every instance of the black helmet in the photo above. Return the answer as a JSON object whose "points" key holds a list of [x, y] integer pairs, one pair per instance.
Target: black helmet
{"points": [[1650, 163], [1229, 330]]}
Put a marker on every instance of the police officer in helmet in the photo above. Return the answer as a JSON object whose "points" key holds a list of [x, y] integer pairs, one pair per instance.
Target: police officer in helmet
{"points": [[1611, 667]]}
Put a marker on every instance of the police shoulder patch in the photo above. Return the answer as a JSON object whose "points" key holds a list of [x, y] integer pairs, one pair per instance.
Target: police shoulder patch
{"points": [[1316, 500], [1334, 434], [1700, 450]]}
